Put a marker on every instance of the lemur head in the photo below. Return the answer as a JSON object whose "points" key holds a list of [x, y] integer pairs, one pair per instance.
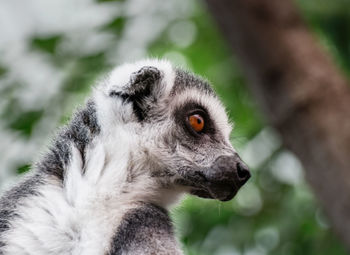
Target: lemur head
{"points": [[174, 127]]}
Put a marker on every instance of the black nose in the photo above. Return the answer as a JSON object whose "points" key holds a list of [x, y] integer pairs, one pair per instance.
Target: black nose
{"points": [[223, 178], [230, 169], [242, 172]]}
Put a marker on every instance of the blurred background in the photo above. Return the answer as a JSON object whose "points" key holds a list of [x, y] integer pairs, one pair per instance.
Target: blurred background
{"points": [[51, 53]]}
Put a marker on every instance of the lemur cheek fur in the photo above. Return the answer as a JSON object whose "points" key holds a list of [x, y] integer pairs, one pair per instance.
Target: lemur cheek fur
{"points": [[148, 133]]}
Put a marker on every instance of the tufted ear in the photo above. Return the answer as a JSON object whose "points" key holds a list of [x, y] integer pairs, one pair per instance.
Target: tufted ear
{"points": [[143, 81], [140, 90]]}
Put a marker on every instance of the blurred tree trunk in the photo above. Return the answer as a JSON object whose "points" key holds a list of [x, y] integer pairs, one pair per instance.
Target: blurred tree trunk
{"points": [[301, 92]]}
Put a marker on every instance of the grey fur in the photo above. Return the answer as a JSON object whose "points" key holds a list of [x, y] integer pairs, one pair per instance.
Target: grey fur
{"points": [[185, 80], [140, 229], [10, 200], [80, 131]]}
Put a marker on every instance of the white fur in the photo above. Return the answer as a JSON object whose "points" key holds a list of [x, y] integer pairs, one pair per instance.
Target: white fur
{"points": [[81, 216]]}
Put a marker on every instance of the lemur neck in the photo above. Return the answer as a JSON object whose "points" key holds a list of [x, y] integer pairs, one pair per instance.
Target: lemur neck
{"points": [[96, 167], [109, 180]]}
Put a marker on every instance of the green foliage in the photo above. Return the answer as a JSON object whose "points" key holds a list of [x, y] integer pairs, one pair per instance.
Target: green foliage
{"points": [[2, 70], [101, 1], [23, 169], [116, 26], [25, 121], [85, 70], [271, 214], [47, 44], [21, 120]]}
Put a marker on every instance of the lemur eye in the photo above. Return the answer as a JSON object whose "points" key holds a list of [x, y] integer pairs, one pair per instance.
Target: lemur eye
{"points": [[197, 122]]}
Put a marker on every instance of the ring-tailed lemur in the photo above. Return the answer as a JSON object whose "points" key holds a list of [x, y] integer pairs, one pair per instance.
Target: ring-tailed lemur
{"points": [[149, 133]]}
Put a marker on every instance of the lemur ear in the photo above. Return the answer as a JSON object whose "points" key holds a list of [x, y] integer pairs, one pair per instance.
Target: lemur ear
{"points": [[139, 89], [143, 81]]}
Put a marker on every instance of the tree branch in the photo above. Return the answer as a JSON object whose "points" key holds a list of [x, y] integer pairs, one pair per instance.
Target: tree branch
{"points": [[301, 92]]}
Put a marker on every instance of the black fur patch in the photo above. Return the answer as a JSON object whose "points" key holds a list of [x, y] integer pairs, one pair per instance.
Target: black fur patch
{"points": [[10, 200], [139, 90], [137, 227], [209, 132], [185, 80], [80, 131]]}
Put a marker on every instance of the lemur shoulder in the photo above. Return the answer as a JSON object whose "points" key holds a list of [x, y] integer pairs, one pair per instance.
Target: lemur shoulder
{"points": [[149, 133]]}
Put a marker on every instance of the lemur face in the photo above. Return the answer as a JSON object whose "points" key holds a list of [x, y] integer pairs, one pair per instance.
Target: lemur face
{"points": [[182, 130]]}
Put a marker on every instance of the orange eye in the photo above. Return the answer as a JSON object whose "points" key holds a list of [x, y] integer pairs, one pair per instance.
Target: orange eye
{"points": [[197, 122]]}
